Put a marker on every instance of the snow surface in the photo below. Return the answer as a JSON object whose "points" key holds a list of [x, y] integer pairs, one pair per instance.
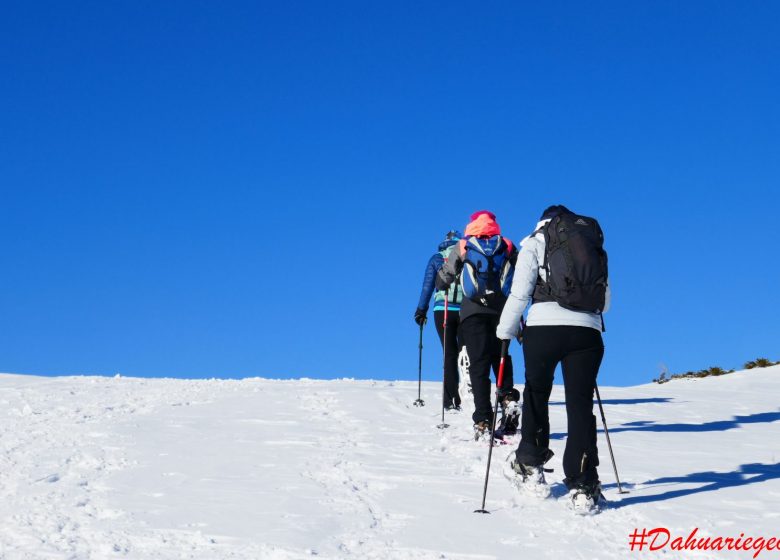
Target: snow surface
{"points": [[99, 468]]}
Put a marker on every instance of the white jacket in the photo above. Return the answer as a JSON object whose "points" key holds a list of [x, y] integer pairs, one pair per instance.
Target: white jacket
{"points": [[527, 270]]}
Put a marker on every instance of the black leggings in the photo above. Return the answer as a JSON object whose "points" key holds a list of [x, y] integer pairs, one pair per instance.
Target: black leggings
{"points": [[579, 350], [452, 349], [478, 333]]}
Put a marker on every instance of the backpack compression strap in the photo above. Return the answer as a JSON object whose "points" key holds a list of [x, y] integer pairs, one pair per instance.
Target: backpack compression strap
{"points": [[509, 245]]}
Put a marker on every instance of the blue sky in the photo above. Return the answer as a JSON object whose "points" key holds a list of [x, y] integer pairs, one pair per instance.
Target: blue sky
{"points": [[202, 189]]}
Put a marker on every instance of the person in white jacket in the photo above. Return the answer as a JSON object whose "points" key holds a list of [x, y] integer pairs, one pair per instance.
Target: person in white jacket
{"points": [[553, 335]]}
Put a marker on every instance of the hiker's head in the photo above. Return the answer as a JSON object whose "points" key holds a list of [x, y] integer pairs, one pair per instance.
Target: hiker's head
{"points": [[483, 223], [554, 210], [478, 213]]}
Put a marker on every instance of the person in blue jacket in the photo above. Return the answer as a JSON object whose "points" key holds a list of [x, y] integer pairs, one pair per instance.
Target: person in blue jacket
{"points": [[453, 296]]}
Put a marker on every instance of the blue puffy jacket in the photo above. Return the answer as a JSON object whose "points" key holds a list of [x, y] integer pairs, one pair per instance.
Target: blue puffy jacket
{"points": [[453, 295]]}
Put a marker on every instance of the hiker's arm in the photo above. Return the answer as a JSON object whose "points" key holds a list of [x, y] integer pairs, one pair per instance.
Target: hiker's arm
{"points": [[428, 281], [523, 283]]}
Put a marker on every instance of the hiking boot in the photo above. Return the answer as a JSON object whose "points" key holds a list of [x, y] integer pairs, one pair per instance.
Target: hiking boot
{"points": [[586, 497], [529, 479], [481, 430], [508, 395]]}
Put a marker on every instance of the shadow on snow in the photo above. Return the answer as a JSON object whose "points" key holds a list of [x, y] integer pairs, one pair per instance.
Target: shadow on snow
{"points": [[624, 401], [714, 426], [709, 481]]}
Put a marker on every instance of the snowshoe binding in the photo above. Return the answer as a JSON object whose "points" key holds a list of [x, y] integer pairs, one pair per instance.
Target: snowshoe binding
{"points": [[586, 498], [528, 479], [510, 413], [482, 433]]}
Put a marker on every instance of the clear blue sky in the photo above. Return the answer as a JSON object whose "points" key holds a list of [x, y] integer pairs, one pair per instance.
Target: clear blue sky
{"points": [[203, 189]]}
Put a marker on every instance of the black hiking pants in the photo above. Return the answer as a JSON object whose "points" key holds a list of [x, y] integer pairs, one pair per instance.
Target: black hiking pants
{"points": [[579, 350], [484, 349], [451, 351]]}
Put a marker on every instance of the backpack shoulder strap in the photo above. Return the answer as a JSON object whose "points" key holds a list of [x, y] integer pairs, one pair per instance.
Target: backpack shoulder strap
{"points": [[509, 245], [543, 229]]}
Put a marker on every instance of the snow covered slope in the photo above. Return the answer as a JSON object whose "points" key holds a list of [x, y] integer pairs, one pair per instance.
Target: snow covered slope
{"points": [[137, 468]]}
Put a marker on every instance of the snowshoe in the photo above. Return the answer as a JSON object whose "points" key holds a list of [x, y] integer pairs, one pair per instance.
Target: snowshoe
{"points": [[528, 479], [510, 413], [481, 431], [464, 380], [586, 498]]}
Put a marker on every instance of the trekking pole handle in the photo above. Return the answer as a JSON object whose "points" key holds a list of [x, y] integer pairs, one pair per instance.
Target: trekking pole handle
{"points": [[504, 352]]}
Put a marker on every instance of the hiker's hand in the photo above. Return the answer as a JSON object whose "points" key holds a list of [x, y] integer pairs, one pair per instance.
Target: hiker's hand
{"points": [[419, 317], [502, 335]]}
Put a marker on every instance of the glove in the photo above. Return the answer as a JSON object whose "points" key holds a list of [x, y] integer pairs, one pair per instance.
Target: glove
{"points": [[419, 317], [503, 336]]}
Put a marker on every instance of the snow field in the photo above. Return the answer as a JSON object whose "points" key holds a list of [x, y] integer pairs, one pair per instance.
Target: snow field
{"points": [[94, 468]]}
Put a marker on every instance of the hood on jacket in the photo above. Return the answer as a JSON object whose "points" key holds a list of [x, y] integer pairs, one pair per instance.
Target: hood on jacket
{"points": [[483, 224], [452, 237], [537, 231]]}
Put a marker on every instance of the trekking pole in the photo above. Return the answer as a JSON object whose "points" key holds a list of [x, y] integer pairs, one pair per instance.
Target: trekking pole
{"points": [[609, 443], [419, 401], [444, 367], [499, 382]]}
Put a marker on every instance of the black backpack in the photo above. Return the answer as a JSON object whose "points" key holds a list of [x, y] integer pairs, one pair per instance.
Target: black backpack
{"points": [[575, 263]]}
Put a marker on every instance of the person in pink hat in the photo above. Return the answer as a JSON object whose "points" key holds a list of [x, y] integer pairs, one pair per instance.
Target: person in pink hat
{"points": [[483, 264]]}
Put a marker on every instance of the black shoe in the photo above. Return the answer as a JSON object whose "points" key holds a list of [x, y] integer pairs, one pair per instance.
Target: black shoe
{"points": [[509, 394], [585, 497], [529, 479], [452, 407]]}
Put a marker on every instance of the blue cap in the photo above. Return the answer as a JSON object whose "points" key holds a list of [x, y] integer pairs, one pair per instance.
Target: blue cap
{"points": [[453, 234]]}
